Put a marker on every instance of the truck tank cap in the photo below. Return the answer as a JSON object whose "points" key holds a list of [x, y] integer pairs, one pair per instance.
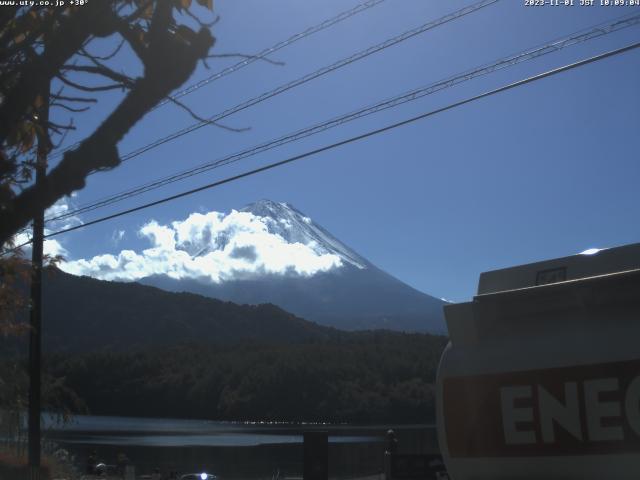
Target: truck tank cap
{"points": [[589, 263]]}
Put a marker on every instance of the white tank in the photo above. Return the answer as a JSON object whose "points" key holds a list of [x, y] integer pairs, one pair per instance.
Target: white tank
{"points": [[541, 377]]}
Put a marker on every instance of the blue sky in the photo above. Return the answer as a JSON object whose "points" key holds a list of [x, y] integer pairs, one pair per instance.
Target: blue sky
{"points": [[546, 170]]}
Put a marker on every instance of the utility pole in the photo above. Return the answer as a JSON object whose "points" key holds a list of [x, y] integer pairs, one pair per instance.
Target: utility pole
{"points": [[35, 335]]}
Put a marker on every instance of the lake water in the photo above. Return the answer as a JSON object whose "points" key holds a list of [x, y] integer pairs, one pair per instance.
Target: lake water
{"points": [[232, 449]]}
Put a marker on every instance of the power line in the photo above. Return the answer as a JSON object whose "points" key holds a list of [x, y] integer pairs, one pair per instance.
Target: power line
{"points": [[363, 136], [253, 58], [311, 76], [529, 54], [268, 51]]}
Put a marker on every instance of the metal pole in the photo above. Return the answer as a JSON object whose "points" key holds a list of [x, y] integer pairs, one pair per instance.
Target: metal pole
{"points": [[35, 335], [315, 455]]}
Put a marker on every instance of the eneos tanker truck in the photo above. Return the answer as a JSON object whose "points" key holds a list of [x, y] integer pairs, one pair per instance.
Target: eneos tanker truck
{"points": [[541, 378]]}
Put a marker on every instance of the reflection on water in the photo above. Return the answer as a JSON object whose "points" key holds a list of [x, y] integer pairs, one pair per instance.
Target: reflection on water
{"points": [[218, 440], [232, 449]]}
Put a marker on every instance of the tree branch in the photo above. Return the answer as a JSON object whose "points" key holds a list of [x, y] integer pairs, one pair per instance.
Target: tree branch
{"points": [[169, 63], [85, 53], [63, 43], [57, 126], [133, 40], [74, 99], [200, 22], [64, 135], [205, 120], [68, 108], [101, 70], [84, 88], [249, 57]]}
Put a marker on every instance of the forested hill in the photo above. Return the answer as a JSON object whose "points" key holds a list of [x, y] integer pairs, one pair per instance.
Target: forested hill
{"points": [[129, 349], [366, 377], [84, 314]]}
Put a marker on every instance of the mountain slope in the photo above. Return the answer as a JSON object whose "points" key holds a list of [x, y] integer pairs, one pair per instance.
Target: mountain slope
{"points": [[85, 314], [354, 295], [292, 225]]}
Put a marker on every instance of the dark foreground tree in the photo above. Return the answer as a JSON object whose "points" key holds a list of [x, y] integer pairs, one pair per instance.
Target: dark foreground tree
{"points": [[39, 45]]}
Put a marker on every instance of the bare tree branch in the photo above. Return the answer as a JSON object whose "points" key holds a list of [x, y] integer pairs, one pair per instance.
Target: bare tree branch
{"points": [[101, 70], [204, 120], [85, 88], [74, 99], [83, 52], [62, 44], [169, 62], [133, 40], [200, 22], [250, 57], [64, 135], [139, 11], [68, 108], [58, 128]]}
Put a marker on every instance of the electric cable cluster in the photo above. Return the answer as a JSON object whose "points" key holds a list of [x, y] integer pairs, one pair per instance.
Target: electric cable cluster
{"points": [[515, 59], [526, 55]]}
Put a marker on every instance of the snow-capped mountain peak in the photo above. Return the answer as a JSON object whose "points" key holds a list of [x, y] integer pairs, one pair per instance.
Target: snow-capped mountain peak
{"points": [[269, 252], [294, 226]]}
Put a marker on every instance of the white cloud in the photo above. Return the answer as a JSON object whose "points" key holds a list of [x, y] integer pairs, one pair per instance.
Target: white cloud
{"points": [[117, 236], [51, 247], [209, 246], [62, 207]]}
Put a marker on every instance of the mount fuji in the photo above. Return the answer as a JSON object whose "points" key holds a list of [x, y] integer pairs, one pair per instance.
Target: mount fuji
{"points": [[350, 293]]}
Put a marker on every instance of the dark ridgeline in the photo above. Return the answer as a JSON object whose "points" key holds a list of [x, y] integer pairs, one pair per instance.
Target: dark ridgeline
{"points": [[348, 298], [130, 349], [135, 350], [85, 314]]}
